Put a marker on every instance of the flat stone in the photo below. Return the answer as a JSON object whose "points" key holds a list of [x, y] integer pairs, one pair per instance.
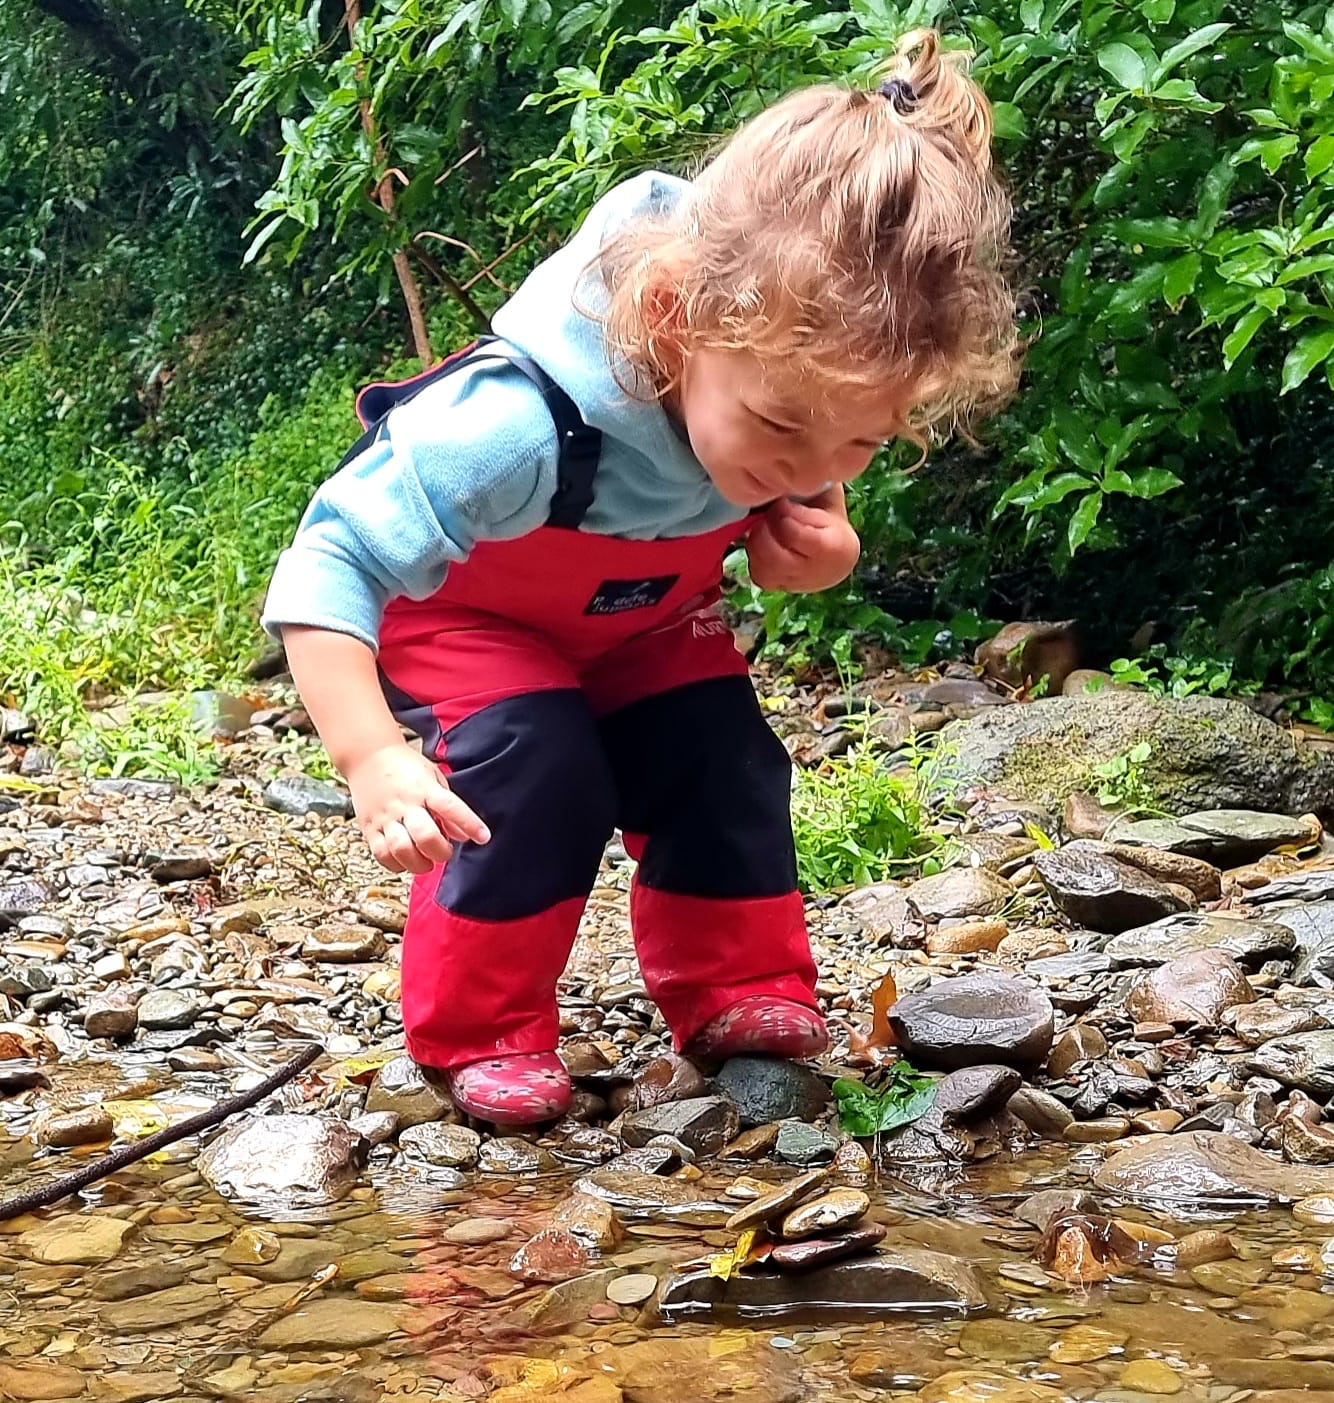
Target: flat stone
{"points": [[1041, 1112], [799, 1143], [138, 1281], [295, 1160], [1304, 1060], [1078, 964], [975, 1019], [1312, 926], [1225, 837], [554, 1254], [1205, 1167], [89, 1125], [832, 1211], [1000, 1341], [477, 1232], [967, 938], [1197, 988], [336, 1322], [1249, 942], [774, 1206], [344, 945], [1151, 1376], [452, 1146], [300, 794], [568, 1302], [162, 1309], [168, 1009], [399, 1086], [883, 912], [1314, 885], [632, 1290], [910, 1279], [1081, 1043], [1202, 879], [768, 1089], [821, 1251], [592, 1221], [959, 892], [297, 1259], [703, 1125], [636, 1191], [1096, 890], [667, 1370], [1098, 1131], [39, 1379], [511, 1155], [1040, 1208], [973, 1092], [75, 1239]]}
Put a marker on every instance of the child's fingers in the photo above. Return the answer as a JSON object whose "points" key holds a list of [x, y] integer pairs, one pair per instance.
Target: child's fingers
{"points": [[401, 847], [455, 818], [797, 535], [424, 831]]}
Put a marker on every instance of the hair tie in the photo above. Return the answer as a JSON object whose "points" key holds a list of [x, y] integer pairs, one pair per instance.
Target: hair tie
{"points": [[900, 93]]}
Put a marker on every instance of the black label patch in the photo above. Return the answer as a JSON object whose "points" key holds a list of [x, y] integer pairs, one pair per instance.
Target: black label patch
{"points": [[618, 596]]}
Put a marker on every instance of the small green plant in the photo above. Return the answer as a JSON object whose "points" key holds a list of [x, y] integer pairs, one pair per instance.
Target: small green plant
{"points": [[1170, 676], [1123, 783], [857, 822], [903, 1096]]}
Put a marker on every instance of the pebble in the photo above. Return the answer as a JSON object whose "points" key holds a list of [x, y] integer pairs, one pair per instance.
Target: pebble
{"points": [[477, 1232], [632, 1290], [799, 1143], [836, 1209], [1151, 1376]]}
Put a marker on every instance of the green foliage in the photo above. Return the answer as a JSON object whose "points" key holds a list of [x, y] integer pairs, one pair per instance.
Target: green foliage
{"points": [[1173, 676], [855, 821], [1123, 783], [904, 1095]]}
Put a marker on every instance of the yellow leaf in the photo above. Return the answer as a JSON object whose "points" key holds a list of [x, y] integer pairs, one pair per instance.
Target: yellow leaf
{"points": [[1039, 837], [727, 1264], [133, 1120]]}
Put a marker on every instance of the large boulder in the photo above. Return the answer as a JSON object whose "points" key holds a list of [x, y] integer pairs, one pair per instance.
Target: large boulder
{"points": [[1207, 752]]}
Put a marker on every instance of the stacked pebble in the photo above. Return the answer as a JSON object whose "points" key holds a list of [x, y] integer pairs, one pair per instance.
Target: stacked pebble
{"points": [[809, 1227]]}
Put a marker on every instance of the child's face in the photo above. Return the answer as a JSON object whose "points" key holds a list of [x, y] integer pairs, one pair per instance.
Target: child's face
{"points": [[758, 440]]}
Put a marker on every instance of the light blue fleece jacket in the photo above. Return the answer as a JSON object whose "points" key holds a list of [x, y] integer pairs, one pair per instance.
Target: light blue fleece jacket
{"points": [[473, 457]]}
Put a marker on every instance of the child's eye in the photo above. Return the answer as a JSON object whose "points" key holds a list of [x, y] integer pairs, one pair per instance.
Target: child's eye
{"points": [[775, 427]]}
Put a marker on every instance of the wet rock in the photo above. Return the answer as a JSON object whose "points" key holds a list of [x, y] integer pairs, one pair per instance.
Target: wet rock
{"points": [[75, 1239], [161, 1310], [668, 1078], [135, 788], [1304, 1060], [297, 1160], [554, 1254], [1040, 1208], [1262, 1022], [839, 1208], [884, 913], [959, 892], [510, 1155], [972, 1092], [1225, 837], [906, 1278], [1250, 942], [88, 1125], [1197, 988], [1316, 885], [21, 980], [767, 1089], [1041, 1112], [376, 1127], [1079, 964], [180, 867], [632, 1290], [975, 1019], [1081, 1043], [252, 1246], [667, 1370], [344, 945], [704, 1125], [1096, 890], [1097, 1131], [168, 1009], [112, 1013], [821, 1251], [399, 1086], [799, 1143], [1151, 1376], [297, 1259], [338, 1322], [1083, 817], [1199, 1166], [477, 1232], [1312, 926], [1207, 752], [568, 1302], [1202, 879], [772, 1207], [591, 1220], [1307, 1144], [752, 1144], [451, 1146], [299, 794]]}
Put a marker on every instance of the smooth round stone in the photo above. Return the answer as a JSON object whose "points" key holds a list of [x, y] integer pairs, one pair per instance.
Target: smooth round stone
{"points": [[819, 1251], [1097, 1132], [1151, 1376], [450, 1146], [1085, 1342], [1317, 1211], [836, 1209], [477, 1232], [333, 1323], [252, 1246], [168, 1010], [975, 1019], [511, 1155], [1004, 1341], [632, 1290], [75, 1239]]}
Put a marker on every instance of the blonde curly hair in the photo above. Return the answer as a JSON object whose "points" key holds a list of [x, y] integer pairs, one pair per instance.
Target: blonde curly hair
{"points": [[855, 238]]}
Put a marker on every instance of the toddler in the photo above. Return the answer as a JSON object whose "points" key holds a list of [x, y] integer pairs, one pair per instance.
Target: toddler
{"points": [[520, 561]]}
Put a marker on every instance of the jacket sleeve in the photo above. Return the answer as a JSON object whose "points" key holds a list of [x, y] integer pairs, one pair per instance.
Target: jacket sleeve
{"points": [[471, 458]]}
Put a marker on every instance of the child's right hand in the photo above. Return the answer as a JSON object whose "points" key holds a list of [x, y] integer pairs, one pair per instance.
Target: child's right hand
{"points": [[407, 811]]}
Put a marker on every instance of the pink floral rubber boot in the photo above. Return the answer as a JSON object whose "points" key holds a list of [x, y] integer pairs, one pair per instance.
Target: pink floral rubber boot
{"points": [[525, 1089], [761, 1026]]}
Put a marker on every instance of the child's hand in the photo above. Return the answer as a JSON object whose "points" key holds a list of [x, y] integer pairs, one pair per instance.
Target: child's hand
{"points": [[804, 547], [407, 811]]}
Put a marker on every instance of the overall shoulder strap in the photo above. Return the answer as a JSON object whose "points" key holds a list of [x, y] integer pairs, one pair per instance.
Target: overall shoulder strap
{"points": [[579, 446]]}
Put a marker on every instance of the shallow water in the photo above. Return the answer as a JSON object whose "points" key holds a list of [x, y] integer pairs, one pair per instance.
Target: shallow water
{"points": [[368, 1300]]}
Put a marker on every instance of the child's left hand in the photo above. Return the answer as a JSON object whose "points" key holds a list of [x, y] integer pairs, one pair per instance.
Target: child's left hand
{"points": [[803, 547]]}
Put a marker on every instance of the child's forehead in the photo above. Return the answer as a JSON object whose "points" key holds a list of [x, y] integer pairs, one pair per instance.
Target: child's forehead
{"points": [[807, 396]]}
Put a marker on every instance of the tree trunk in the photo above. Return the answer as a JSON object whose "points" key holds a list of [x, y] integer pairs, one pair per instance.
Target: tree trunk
{"points": [[407, 279]]}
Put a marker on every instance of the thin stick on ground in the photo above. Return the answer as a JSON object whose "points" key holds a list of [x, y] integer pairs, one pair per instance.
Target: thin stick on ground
{"points": [[66, 1184]]}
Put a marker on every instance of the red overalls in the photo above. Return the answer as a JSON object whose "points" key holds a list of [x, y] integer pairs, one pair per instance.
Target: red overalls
{"points": [[572, 683]]}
